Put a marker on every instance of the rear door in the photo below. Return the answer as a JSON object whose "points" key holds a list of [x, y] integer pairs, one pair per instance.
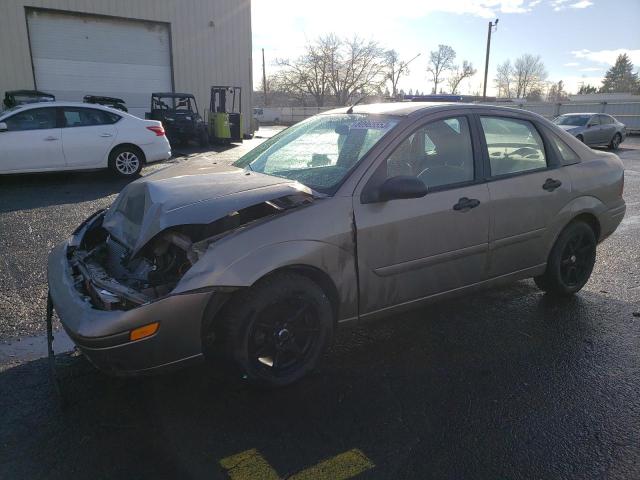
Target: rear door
{"points": [[593, 134], [527, 188], [409, 249], [32, 142], [87, 136]]}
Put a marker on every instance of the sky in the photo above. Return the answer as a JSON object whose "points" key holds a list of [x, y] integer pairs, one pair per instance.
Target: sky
{"points": [[578, 40]]}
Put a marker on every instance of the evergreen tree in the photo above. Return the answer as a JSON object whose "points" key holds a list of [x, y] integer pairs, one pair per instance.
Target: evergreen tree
{"points": [[620, 78]]}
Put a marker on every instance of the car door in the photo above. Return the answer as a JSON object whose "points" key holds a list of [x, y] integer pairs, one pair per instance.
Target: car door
{"points": [[527, 188], [87, 136], [592, 133], [607, 127], [410, 249], [32, 141]]}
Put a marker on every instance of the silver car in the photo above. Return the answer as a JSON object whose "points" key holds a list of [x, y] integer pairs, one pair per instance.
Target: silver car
{"points": [[593, 129], [350, 215]]}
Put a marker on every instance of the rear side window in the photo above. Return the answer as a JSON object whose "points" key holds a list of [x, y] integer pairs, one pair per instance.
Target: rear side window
{"points": [[513, 145], [567, 155], [32, 119], [87, 117]]}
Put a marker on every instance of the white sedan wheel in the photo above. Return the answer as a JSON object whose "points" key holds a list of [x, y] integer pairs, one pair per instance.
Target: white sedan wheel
{"points": [[127, 163]]}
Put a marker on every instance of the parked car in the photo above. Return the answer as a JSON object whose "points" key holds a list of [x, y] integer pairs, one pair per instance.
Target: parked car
{"points": [[179, 115], [350, 215], [43, 137], [13, 98], [593, 129]]}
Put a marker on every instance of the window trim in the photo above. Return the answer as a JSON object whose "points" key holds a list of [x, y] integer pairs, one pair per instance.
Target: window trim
{"points": [[551, 158]]}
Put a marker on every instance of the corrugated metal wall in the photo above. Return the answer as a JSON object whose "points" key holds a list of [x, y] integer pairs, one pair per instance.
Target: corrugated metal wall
{"points": [[210, 40]]}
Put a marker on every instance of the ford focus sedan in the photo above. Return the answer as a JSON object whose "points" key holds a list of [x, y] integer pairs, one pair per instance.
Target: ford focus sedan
{"points": [[350, 215], [55, 136], [593, 129]]}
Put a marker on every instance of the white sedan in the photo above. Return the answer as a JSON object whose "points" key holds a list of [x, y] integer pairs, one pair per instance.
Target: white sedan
{"points": [[43, 137]]}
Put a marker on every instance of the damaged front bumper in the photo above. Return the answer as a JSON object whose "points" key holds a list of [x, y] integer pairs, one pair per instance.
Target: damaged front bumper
{"points": [[104, 336]]}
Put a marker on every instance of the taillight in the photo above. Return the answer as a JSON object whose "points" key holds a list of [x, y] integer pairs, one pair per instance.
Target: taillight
{"points": [[159, 131]]}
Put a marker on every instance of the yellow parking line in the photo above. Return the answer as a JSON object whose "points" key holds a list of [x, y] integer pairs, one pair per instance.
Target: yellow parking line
{"points": [[248, 465], [343, 466]]}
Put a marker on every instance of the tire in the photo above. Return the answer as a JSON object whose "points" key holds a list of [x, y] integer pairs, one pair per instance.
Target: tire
{"points": [[615, 142], [581, 138], [276, 332], [570, 262], [126, 161]]}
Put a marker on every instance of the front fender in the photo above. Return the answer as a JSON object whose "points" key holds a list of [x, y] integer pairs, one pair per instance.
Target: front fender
{"points": [[338, 263]]}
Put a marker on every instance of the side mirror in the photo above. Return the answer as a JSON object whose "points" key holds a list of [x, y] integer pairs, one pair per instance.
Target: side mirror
{"points": [[401, 187], [3, 127]]}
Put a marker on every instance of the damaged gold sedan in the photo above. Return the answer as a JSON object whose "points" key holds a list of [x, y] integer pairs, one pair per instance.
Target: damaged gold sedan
{"points": [[349, 215]]}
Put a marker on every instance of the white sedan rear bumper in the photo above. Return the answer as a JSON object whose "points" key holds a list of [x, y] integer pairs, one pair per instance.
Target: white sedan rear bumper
{"points": [[157, 151]]}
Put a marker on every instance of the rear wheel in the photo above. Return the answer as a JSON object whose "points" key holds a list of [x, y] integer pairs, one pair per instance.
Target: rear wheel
{"points": [[570, 262], [126, 161], [276, 331], [615, 141]]}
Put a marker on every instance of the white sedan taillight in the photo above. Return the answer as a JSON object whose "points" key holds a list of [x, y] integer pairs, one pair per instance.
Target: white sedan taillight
{"points": [[158, 130]]}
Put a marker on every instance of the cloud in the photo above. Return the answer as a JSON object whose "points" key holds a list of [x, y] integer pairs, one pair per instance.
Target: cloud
{"points": [[581, 4], [572, 83], [562, 4], [571, 64], [591, 69], [607, 57]]}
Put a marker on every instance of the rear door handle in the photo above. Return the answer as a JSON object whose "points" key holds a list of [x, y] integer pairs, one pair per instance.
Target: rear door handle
{"points": [[551, 184], [51, 139], [106, 135], [466, 204]]}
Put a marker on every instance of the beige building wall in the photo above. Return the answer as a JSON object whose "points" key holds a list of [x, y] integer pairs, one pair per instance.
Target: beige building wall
{"points": [[210, 41]]}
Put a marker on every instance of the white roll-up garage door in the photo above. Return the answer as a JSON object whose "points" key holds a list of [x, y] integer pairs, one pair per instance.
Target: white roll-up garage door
{"points": [[76, 55]]}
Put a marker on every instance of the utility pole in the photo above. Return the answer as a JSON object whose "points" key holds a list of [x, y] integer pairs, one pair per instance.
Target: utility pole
{"points": [[264, 79], [486, 63]]}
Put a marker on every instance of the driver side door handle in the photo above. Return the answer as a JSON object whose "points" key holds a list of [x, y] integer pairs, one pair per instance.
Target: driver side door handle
{"points": [[551, 184], [465, 204]]}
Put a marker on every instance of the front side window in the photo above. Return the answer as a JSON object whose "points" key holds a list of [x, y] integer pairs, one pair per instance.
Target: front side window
{"points": [[321, 151], [605, 119], [32, 119], [572, 120], [439, 154], [87, 117], [513, 145], [593, 121]]}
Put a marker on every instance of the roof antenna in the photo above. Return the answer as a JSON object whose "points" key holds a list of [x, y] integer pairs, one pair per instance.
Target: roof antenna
{"points": [[350, 111]]}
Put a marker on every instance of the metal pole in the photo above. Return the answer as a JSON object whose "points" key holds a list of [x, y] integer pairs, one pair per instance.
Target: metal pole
{"points": [[486, 64], [264, 78]]}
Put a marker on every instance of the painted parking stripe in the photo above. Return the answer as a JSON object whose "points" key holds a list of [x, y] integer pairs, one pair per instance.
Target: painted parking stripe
{"points": [[250, 465]]}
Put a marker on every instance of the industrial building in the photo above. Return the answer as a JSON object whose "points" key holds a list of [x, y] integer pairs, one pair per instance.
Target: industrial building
{"points": [[126, 48]]}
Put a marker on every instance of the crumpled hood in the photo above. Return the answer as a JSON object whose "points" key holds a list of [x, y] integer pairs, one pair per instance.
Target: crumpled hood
{"points": [[195, 192]]}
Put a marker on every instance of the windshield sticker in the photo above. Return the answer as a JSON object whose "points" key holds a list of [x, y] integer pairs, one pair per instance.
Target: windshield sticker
{"points": [[369, 125]]}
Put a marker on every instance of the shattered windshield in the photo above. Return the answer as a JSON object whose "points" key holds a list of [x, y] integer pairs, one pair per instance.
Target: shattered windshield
{"points": [[321, 151]]}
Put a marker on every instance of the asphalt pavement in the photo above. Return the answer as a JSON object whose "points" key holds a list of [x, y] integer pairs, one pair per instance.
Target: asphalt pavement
{"points": [[503, 384]]}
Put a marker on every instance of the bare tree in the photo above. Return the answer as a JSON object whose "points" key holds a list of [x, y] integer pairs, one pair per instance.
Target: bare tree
{"points": [[395, 69], [459, 74], [503, 79], [529, 74], [556, 92], [440, 61], [356, 68]]}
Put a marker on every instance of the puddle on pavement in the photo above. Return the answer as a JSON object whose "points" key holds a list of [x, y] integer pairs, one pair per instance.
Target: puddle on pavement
{"points": [[32, 348]]}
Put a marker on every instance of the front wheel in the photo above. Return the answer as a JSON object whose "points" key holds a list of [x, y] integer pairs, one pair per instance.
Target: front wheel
{"points": [[570, 262], [276, 331], [126, 161], [581, 138], [615, 142]]}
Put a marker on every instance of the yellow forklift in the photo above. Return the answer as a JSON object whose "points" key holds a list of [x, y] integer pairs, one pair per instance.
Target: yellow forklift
{"points": [[225, 114]]}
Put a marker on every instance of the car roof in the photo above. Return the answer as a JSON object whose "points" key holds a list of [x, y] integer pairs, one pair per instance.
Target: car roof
{"points": [[409, 108], [30, 106], [172, 95], [573, 114]]}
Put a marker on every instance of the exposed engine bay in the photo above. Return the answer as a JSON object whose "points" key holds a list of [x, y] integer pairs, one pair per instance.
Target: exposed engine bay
{"points": [[112, 278]]}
